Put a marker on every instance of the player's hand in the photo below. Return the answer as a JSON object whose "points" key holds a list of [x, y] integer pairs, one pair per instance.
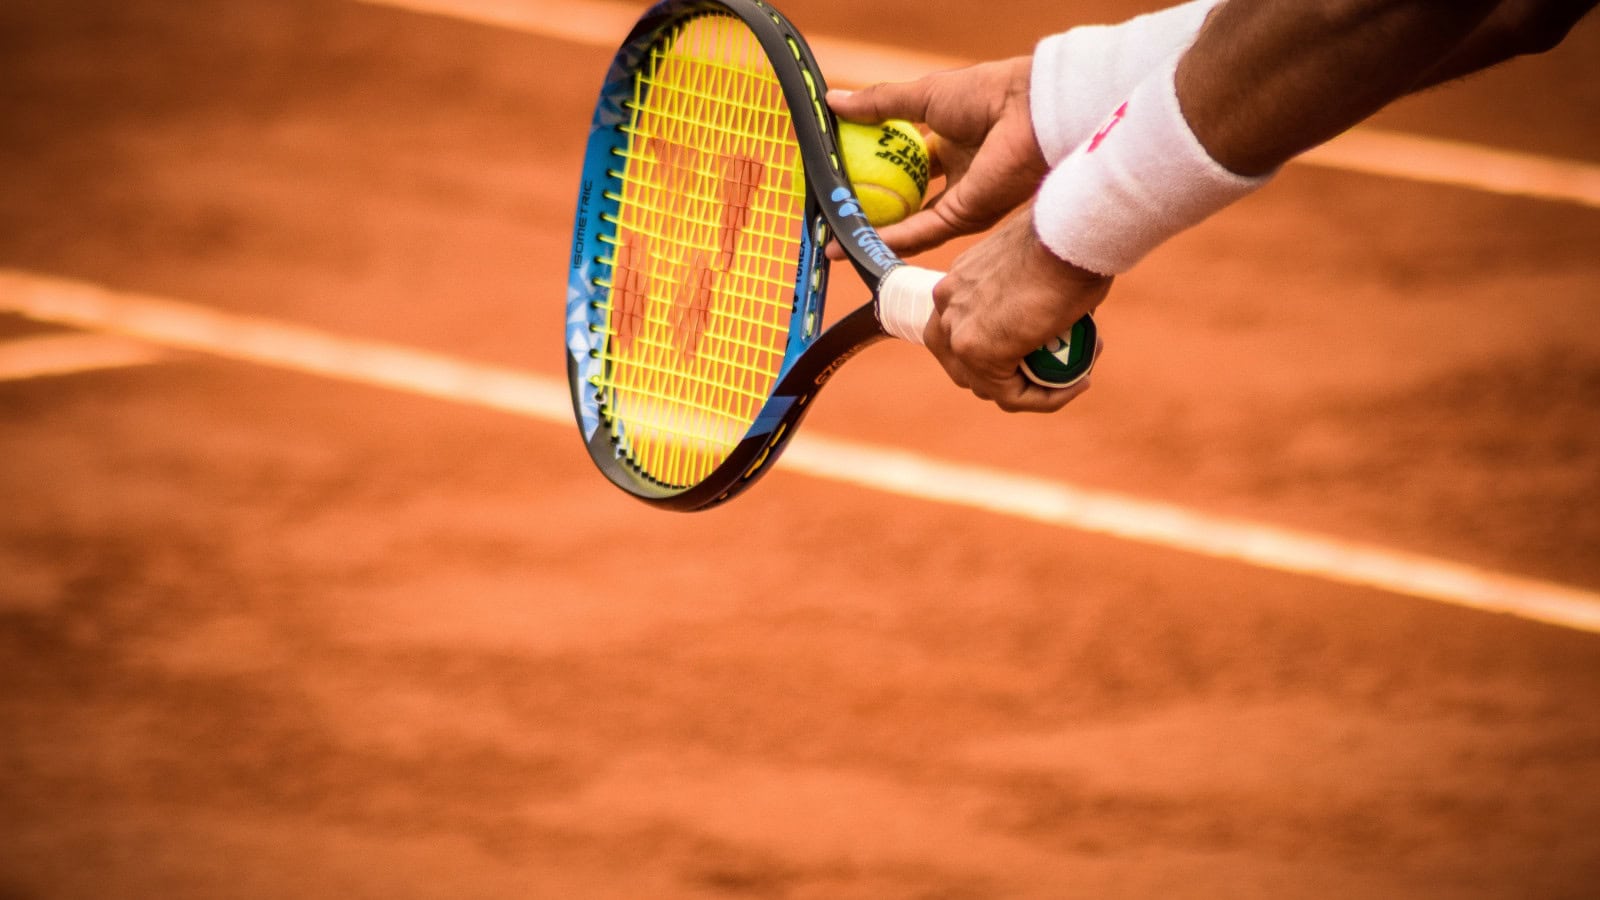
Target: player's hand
{"points": [[982, 140], [984, 324]]}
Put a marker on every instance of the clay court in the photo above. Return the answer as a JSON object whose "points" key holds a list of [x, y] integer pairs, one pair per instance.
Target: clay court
{"points": [[269, 629]]}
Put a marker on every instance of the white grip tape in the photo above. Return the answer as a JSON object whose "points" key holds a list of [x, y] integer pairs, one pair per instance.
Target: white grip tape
{"points": [[905, 301]]}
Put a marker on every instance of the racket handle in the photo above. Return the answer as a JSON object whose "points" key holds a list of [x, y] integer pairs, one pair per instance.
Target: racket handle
{"points": [[905, 304]]}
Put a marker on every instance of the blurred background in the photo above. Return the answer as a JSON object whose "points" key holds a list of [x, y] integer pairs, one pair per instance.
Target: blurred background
{"points": [[268, 633]]}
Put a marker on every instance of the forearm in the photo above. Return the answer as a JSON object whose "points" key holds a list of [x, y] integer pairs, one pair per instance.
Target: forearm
{"points": [[1268, 80], [1264, 81], [1080, 75], [1515, 28]]}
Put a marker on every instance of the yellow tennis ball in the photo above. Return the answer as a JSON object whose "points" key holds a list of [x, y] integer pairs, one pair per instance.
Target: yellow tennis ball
{"points": [[888, 167]]}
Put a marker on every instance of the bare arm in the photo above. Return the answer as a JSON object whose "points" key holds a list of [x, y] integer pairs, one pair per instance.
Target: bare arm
{"points": [[1266, 81], [992, 161], [1515, 28]]}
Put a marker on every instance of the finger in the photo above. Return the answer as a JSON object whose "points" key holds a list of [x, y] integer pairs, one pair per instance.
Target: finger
{"points": [[1018, 394], [920, 231], [890, 100], [945, 218], [917, 233], [1035, 398], [935, 163], [936, 337]]}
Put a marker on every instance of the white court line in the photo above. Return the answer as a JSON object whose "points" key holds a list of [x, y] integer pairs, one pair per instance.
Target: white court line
{"points": [[46, 355], [1371, 151], [171, 323], [267, 342], [1438, 161]]}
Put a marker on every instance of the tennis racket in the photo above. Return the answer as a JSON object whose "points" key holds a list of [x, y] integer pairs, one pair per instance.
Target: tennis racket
{"points": [[711, 183]]}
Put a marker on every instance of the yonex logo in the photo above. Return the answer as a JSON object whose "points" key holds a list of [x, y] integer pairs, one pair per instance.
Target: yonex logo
{"points": [[865, 237], [847, 202], [873, 246], [827, 373]]}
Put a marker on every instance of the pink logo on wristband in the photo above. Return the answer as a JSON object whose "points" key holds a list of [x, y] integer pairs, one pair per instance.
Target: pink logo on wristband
{"points": [[1116, 116]]}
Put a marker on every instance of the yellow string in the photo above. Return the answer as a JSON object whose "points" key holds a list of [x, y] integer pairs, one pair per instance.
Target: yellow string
{"points": [[707, 117]]}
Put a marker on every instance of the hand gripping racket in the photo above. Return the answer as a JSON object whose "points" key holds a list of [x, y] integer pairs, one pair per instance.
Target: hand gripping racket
{"points": [[711, 183]]}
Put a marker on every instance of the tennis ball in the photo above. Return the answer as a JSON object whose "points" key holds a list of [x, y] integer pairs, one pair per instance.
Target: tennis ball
{"points": [[888, 167]]}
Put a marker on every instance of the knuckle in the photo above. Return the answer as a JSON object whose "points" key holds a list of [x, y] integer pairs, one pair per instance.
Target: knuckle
{"points": [[957, 214], [965, 345]]}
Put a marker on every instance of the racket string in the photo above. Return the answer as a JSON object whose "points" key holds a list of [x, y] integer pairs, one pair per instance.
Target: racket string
{"points": [[704, 263]]}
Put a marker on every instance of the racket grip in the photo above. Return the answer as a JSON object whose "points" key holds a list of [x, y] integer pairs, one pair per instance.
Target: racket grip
{"points": [[905, 304]]}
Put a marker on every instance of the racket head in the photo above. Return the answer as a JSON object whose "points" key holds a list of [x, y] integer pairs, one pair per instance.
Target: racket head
{"points": [[697, 278]]}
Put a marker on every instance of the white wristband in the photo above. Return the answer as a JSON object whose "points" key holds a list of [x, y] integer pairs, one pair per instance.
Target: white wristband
{"points": [[1142, 178], [1080, 75]]}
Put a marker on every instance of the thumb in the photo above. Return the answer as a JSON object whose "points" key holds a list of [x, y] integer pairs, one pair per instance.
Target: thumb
{"points": [[890, 100]]}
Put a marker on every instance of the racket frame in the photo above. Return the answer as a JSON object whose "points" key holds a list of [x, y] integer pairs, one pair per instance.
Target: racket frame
{"points": [[830, 210]]}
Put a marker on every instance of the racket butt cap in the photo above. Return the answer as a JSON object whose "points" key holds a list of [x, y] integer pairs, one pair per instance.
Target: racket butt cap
{"points": [[1064, 361]]}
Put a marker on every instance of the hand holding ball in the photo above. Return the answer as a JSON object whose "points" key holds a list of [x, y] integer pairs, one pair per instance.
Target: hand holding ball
{"points": [[888, 167]]}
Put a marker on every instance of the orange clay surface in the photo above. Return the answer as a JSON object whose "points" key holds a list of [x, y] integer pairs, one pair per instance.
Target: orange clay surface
{"points": [[264, 635]]}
